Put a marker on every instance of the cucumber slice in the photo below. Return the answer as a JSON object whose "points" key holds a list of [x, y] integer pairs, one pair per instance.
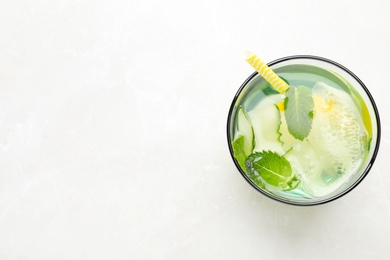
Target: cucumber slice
{"points": [[245, 129], [265, 120]]}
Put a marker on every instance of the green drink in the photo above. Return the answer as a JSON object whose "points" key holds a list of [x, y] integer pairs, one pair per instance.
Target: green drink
{"points": [[311, 144]]}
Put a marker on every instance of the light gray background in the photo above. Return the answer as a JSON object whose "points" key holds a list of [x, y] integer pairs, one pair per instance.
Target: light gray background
{"points": [[112, 129]]}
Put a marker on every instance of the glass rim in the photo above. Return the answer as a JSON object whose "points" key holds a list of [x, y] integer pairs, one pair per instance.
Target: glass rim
{"points": [[364, 172]]}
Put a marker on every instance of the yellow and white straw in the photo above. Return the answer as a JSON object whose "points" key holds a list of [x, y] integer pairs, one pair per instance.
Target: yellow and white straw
{"points": [[265, 71]]}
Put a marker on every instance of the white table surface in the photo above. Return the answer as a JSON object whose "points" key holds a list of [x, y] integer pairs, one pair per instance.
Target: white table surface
{"points": [[112, 129]]}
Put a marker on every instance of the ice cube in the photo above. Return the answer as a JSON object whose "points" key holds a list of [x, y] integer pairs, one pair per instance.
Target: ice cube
{"points": [[335, 146]]}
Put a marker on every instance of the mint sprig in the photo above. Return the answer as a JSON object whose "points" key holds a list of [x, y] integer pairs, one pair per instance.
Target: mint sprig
{"points": [[271, 168], [299, 106]]}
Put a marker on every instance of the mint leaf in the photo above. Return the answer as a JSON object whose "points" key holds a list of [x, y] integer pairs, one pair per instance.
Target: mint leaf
{"points": [[250, 170], [299, 106], [238, 151], [271, 168]]}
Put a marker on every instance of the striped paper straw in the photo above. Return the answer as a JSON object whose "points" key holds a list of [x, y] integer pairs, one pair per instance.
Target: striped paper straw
{"points": [[265, 71]]}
